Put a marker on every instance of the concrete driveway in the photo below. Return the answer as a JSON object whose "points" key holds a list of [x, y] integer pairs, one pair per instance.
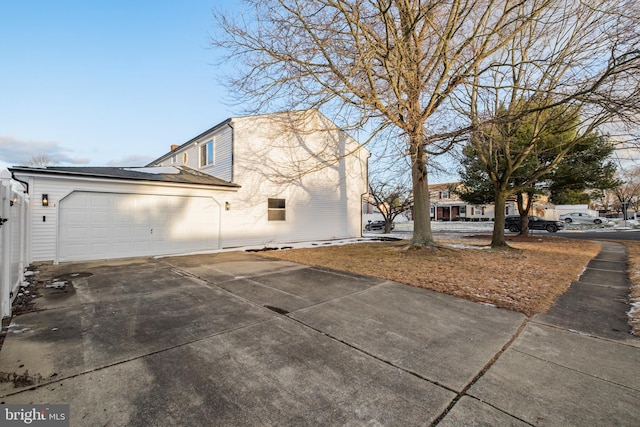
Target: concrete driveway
{"points": [[237, 339]]}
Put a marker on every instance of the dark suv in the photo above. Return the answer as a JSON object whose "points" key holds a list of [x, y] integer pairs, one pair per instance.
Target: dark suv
{"points": [[512, 223], [377, 225]]}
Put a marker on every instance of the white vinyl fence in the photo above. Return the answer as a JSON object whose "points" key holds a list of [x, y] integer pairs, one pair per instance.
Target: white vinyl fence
{"points": [[13, 240]]}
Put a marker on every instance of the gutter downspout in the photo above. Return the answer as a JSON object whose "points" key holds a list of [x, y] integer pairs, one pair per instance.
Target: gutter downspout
{"points": [[26, 184]]}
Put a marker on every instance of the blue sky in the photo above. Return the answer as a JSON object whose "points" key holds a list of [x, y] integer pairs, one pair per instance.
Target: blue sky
{"points": [[106, 82]]}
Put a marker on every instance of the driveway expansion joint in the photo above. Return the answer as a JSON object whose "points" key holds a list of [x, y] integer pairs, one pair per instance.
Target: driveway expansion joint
{"points": [[483, 371], [484, 402], [542, 359], [369, 354]]}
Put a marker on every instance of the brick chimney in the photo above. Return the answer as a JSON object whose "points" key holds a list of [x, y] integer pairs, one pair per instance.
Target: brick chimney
{"points": [[173, 147]]}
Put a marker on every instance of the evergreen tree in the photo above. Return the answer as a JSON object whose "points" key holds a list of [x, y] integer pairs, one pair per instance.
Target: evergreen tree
{"points": [[534, 154]]}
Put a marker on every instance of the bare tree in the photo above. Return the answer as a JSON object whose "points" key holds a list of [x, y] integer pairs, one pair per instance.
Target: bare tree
{"points": [[404, 64], [390, 200], [628, 192], [390, 191], [377, 64], [41, 160]]}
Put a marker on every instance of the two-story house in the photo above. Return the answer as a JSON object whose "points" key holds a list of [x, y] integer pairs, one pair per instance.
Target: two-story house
{"points": [[301, 178], [446, 205], [247, 181]]}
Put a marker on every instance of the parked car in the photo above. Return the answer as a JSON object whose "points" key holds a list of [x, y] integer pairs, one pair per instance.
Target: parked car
{"points": [[377, 225], [512, 223], [580, 218]]}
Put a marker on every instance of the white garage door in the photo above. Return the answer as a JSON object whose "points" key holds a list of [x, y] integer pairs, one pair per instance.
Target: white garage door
{"points": [[114, 225]]}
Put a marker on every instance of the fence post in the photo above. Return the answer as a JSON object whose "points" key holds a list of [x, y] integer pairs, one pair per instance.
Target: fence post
{"points": [[5, 247]]}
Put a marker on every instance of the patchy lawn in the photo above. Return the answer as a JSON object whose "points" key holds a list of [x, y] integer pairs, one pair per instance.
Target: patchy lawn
{"points": [[527, 279], [633, 255]]}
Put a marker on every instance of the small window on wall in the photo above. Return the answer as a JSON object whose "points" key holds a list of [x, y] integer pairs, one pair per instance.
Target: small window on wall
{"points": [[277, 210], [207, 154]]}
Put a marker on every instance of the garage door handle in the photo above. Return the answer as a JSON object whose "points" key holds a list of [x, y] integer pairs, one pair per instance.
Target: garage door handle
{"points": [[152, 231]]}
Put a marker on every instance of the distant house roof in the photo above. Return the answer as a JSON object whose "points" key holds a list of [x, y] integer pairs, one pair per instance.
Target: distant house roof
{"points": [[445, 186], [165, 174]]}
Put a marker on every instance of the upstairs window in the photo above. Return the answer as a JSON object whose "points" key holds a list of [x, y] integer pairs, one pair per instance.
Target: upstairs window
{"points": [[276, 210], [207, 154]]}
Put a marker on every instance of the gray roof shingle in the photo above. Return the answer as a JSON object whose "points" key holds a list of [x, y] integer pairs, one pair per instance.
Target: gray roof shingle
{"points": [[166, 174]]}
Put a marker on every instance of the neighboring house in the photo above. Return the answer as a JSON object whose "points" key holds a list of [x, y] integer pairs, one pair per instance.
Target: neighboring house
{"points": [[247, 181], [446, 205]]}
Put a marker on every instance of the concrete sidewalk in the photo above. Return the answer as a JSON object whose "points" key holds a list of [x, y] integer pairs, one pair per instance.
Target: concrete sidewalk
{"points": [[236, 339], [574, 365]]}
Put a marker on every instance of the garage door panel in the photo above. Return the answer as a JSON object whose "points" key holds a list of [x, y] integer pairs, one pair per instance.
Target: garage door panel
{"points": [[121, 232], [101, 216], [77, 216], [118, 225], [100, 233], [100, 247], [74, 233], [77, 250]]}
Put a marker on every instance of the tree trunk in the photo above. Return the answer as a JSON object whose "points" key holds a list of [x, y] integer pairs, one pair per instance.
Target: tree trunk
{"points": [[422, 235], [524, 215], [498, 240]]}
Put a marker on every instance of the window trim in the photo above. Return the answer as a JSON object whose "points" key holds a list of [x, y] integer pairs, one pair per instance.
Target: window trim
{"points": [[208, 153]]}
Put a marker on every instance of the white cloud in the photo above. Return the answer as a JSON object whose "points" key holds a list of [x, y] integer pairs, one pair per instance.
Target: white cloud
{"points": [[17, 152]]}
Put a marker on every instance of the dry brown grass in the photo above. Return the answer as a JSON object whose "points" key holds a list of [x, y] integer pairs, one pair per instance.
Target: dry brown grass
{"points": [[633, 256], [527, 278]]}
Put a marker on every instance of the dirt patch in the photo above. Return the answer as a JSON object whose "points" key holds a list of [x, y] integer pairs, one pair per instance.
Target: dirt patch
{"points": [[20, 380], [26, 301], [527, 278]]}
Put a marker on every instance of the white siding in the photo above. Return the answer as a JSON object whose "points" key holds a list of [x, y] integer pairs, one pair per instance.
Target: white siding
{"points": [[319, 171], [223, 166], [223, 141], [44, 219]]}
